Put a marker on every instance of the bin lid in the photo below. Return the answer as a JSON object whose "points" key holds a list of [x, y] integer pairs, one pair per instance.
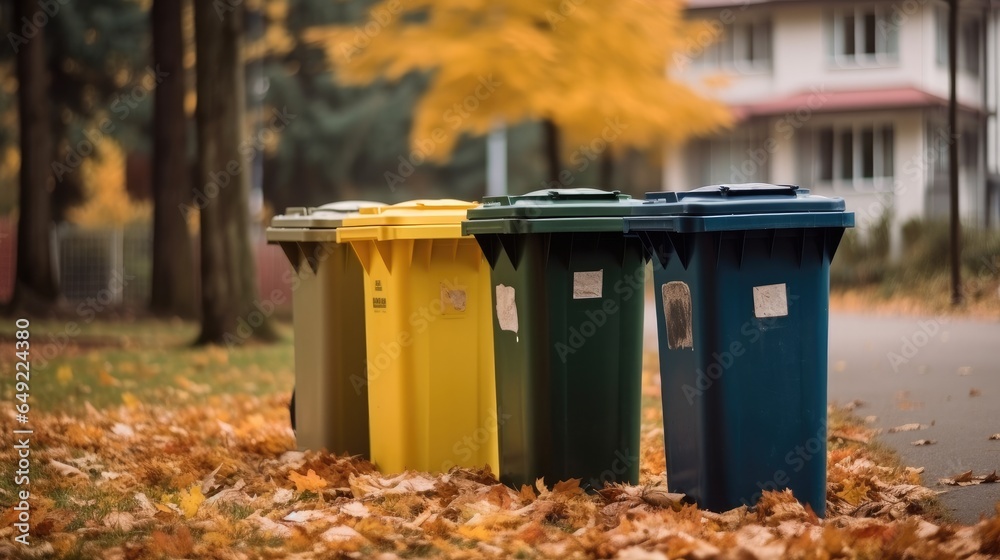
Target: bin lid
{"points": [[745, 198], [330, 215], [412, 213], [556, 203], [738, 207]]}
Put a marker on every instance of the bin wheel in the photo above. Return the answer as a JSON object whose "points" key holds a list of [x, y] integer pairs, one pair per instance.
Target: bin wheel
{"points": [[291, 409]]}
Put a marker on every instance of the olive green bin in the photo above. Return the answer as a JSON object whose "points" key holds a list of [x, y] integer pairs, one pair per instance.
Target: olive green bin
{"points": [[329, 408]]}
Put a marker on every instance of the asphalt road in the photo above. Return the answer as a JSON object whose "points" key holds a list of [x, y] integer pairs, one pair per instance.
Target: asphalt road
{"points": [[941, 373]]}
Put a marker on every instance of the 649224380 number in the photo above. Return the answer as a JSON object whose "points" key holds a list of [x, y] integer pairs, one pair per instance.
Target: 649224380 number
{"points": [[22, 369]]}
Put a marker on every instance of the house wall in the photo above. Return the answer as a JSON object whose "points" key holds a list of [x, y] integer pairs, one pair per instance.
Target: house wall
{"points": [[934, 77], [902, 200], [801, 62], [993, 91]]}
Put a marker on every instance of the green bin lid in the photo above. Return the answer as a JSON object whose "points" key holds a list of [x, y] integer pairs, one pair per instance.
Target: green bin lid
{"points": [[551, 211], [556, 203], [738, 207]]}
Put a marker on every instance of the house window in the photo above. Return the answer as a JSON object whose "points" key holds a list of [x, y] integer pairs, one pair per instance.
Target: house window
{"points": [[940, 149], [739, 157], [969, 42], [855, 157], [743, 46], [863, 36]]}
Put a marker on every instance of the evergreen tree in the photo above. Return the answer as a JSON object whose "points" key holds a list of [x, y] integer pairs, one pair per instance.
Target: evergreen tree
{"points": [[350, 141]]}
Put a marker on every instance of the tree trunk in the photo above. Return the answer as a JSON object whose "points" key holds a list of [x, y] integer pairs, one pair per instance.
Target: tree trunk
{"points": [[36, 288], [230, 312], [606, 173], [172, 291], [552, 151]]}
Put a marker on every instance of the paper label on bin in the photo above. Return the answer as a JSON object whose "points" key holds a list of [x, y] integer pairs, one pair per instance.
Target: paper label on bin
{"points": [[453, 299], [770, 301], [677, 312], [506, 308], [588, 285]]}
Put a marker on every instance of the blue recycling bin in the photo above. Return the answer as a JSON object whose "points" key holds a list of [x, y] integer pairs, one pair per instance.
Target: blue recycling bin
{"points": [[741, 276]]}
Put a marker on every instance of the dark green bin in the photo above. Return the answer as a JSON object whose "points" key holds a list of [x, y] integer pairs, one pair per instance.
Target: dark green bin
{"points": [[568, 314], [741, 278]]}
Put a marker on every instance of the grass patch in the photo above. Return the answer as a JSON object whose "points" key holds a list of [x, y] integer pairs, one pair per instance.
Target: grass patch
{"points": [[922, 274], [105, 364]]}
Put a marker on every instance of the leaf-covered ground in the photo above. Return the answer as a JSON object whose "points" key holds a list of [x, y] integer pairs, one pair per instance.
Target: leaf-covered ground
{"points": [[145, 449]]}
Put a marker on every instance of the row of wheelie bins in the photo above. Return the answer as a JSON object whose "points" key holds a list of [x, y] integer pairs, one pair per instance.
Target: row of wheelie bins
{"points": [[440, 333]]}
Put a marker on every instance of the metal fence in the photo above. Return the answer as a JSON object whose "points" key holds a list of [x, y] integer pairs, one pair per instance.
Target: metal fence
{"points": [[118, 262]]}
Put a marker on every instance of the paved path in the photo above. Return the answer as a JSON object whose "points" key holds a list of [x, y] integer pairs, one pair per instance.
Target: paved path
{"points": [[941, 373]]}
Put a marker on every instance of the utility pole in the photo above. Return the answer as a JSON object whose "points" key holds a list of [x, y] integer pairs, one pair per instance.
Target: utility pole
{"points": [[955, 225], [496, 160]]}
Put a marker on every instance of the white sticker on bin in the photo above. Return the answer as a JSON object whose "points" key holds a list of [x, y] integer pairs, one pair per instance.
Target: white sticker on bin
{"points": [[506, 308], [770, 301], [588, 285]]}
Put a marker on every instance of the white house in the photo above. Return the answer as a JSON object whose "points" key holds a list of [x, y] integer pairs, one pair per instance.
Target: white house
{"points": [[850, 99]]}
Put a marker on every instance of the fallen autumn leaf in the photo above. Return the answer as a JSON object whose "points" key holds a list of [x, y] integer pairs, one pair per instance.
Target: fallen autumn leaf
{"points": [[906, 428]]}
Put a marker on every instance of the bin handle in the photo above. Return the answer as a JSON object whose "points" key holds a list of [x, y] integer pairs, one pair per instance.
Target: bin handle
{"points": [[555, 194], [344, 206], [727, 191], [748, 189], [430, 204], [752, 189], [581, 193]]}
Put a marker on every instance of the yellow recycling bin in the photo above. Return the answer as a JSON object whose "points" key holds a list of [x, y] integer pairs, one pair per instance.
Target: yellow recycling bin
{"points": [[431, 389]]}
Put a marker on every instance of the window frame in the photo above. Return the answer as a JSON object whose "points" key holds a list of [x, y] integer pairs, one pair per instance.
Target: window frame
{"points": [[886, 37], [966, 23], [880, 181], [731, 51]]}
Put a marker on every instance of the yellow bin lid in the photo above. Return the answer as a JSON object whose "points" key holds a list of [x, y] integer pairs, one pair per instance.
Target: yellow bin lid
{"points": [[414, 219]]}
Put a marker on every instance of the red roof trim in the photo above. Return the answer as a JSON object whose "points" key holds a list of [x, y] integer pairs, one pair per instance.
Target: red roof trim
{"points": [[820, 101]]}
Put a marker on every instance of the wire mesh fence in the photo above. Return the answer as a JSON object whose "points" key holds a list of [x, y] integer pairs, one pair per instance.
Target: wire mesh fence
{"points": [[116, 263]]}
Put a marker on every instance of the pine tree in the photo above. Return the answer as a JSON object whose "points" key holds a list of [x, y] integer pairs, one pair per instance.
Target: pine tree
{"points": [[345, 140]]}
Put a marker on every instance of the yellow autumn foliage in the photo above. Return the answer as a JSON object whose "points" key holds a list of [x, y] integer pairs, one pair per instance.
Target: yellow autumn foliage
{"points": [[108, 202], [583, 65], [191, 500]]}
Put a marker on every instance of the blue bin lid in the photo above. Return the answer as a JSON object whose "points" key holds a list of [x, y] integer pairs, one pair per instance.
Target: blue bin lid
{"points": [[738, 207], [746, 198]]}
